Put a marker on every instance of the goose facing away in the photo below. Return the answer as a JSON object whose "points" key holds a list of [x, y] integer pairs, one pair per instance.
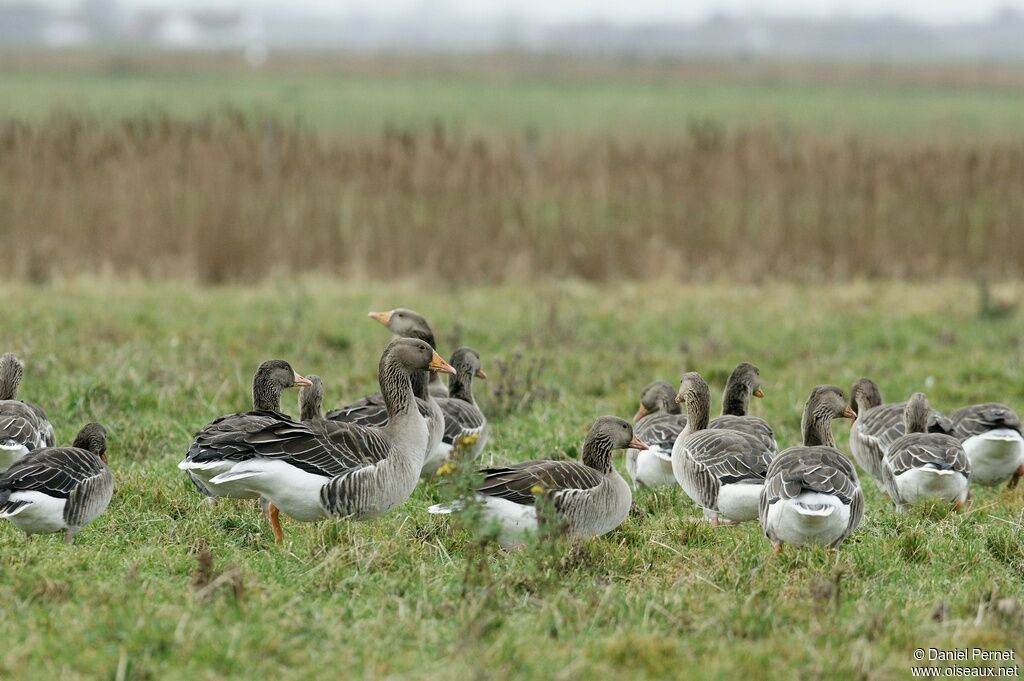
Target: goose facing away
{"points": [[59, 489], [922, 465], [991, 436], [465, 426], [23, 425], [352, 471], [721, 470], [878, 425], [270, 379], [744, 382], [587, 499], [658, 422], [405, 323], [812, 494]]}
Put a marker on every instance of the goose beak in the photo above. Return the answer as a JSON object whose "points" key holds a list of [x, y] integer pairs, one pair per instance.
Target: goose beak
{"points": [[103, 458], [680, 399], [382, 317], [758, 392], [637, 443], [438, 364], [640, 413], [302, 382], [849, 414], [480, 374]]}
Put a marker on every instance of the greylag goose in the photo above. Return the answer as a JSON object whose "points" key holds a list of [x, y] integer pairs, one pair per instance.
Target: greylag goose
{"points": [[721, 470], [991, 436], [811, 493], [465, 426], [744, 382], [354, 471], [59, 489], [23, 425], [405, 323], [878, 425], [272, 377], [588, 499], [311, 400], [922, 465], [657, 422], [372, 411]]}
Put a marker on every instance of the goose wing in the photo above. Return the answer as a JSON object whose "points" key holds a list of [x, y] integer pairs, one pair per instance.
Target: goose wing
{"points": [[460, 417], [20, 430], [660, 429], [54, 471], [917, 450], [730, 456], [749, 425], [979, 418], [370, 411], [522, 482], [24, 424]]}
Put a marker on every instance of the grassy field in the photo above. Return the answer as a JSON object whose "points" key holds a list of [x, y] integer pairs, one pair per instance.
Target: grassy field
{"points": [[544, 96], [409, 596]]}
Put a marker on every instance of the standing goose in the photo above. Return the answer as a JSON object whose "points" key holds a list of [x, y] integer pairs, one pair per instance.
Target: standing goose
{"points": [[587, 499], [878, 425], [351, 471], [811, 494], [744, 382], [408, 324], [991, 436], [922, 465], [270, 379], [59, 489], [721, 470], [23, 425], [465, 426], [658, 422]]}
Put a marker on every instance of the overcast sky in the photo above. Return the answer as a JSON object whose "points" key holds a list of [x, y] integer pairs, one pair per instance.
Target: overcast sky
{"points": [[632, 11]]}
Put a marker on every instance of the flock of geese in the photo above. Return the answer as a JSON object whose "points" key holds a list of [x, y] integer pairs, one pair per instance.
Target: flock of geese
{"points": [[365, 459]]}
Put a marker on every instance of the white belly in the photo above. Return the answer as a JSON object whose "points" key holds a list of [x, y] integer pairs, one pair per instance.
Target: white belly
{"points": [[11, 452], [739, 502], [204, 472], [792, 522], [291, 489], [436, 459], [44, 515], [994, 455], [653, 470], [918, 484], [515, 521]]}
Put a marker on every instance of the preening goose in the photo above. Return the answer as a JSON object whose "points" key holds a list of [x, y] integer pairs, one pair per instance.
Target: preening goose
{"points": [[272, 377], [586, 499], [465, 426], [878, 425], [59, 489], [409, 324], [658, 422], [922, 465], [721, 470], [991, 436], [811, 493], [23, 425], [351, 471], [744, 382]]}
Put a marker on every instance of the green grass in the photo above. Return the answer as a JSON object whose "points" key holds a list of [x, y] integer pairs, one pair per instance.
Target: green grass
{"points": [[409, 595], [354, 104]]}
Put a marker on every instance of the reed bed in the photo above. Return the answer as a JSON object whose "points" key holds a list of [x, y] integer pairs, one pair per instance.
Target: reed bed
{"points": [[231, 197]]}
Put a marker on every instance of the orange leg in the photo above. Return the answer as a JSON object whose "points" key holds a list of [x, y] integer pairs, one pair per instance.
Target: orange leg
{"points": [[778, 548], [275, 523], [1016, 477]]}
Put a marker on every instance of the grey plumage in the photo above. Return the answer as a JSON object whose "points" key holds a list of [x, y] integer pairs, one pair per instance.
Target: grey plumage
{"points": [[405, 323], [24, 426], [979, 418], [465, 426]]}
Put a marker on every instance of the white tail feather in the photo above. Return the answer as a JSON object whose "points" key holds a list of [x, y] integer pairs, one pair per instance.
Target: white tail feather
{"points": [[233, 475], [444, 509]]}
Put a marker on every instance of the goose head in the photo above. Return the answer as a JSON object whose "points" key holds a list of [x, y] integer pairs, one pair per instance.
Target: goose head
{"points": [[606, 435], [917, 413], [311, 398], [271, 378], [11, 371], [744, 382], [827, 402], [412, 354], [695, 394], [93, 438], [864, 395], [466, 362], [406, 323], [657, 396]]}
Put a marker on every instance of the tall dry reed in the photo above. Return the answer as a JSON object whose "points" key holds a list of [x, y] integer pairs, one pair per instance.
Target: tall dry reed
{"points": [[230, 198]]}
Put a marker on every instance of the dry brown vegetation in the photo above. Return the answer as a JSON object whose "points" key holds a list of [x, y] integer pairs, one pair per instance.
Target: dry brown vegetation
{"points": [[227, 197]]}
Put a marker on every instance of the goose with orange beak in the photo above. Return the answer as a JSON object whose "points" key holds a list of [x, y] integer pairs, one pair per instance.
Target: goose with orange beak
{"points": [[582, 499], [744, 383], [405, 323], [350, 471]]}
